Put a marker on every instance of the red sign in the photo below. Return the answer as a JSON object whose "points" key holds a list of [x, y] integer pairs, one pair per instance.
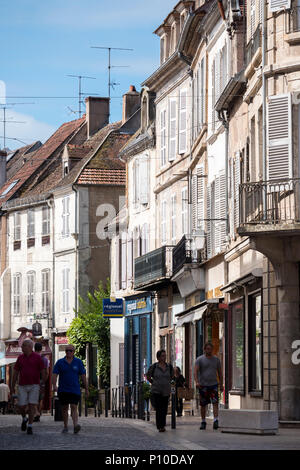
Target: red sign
{"points": [[223, 306], [61, 340]]}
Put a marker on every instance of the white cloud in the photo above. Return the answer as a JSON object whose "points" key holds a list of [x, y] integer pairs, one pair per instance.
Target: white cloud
{"points": [[27, 133]]}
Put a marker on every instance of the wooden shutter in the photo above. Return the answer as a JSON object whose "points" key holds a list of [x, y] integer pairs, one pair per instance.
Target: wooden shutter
{"points": [[213, 95], [202, 93], [163, 138], [232, 198], [172, 129], [237, 181], [223, 215], [217, 215], [252, 18], [117, 263], [279, 125], [124, 260], [276, 5], [200, 196], [194, 201], [144, 180], [182, 121], [208, 223], [130, 257]]}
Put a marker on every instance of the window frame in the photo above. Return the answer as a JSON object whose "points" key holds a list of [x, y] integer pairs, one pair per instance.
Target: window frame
{"points": [[46, 220], [66, 217], [30, 294], [184, 211], [17, 294], [45, 293], [232, 390], [66, 291], [252, 365], [30, 223], [17, 226]]}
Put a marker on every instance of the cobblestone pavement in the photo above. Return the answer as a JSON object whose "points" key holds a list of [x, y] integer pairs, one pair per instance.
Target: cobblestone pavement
{"points": [[124, 434]]}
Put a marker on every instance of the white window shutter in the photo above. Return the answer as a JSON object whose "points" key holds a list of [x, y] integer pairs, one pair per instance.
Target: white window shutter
{"points": [[172, 129], [144, 180], [237, 181], [200, 196], [213, 95], [279, 125], [163, 138], [194, 201], [117, 263], [232, 198], [217, 216], [252, 17], [276, 5], [124, 259], [202, 93], [183, 121], [208, 223], [223, 215]]}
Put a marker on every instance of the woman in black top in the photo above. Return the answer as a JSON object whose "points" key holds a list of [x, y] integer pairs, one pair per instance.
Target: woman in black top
{"points": [[180, 382]]}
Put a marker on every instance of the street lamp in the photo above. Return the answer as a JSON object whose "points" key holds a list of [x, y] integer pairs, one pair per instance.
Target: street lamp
{"points": [[37, 329]]}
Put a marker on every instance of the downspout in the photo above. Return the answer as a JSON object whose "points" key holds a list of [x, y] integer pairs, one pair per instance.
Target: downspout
{"points": [[76, 237]]}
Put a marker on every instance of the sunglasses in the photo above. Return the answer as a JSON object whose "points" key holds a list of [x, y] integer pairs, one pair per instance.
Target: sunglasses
{"points": [[70, 350]]}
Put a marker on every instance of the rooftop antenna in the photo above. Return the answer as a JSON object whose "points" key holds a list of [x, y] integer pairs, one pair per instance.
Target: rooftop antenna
{"points": [[109, 49], [80, 94], [5, 121]]}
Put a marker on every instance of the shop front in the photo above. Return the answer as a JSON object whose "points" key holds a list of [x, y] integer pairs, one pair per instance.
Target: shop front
{"points": [[138, 325], [14, 349]]}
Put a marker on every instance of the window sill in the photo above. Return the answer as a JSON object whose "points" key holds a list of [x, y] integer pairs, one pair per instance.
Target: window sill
{"points": [[256, 394], [237, 392], [292, 38]]}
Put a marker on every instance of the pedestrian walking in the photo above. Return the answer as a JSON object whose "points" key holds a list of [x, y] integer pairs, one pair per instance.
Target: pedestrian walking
{"points": [[179, 383], [160, 375], [4, 396], [38, 347], [28, 370], [69, 369], [208, 374]]}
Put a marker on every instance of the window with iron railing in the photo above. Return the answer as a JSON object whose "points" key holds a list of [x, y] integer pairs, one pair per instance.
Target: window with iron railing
{"points": [[253, 45]]}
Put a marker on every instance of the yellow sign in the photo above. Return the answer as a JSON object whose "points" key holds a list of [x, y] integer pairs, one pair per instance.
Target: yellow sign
{"points": [[218, 292], [210, 294], [141, 304]]}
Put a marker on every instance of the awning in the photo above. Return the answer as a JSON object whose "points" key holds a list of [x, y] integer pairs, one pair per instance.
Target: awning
{"points": [[192, 317], [5, 361], [241, 282]]}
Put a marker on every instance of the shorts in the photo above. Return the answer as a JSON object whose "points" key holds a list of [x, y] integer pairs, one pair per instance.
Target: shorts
{"points": [[28, 394], [209, 394], [66, 398]]}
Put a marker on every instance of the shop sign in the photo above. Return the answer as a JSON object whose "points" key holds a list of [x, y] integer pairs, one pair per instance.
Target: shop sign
{"points": [[112, 309], [138, 306], [61, 340], [218, 292], [210, 294]]}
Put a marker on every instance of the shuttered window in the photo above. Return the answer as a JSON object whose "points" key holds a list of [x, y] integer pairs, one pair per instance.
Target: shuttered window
{"points": [[163, 138], [124, 260], [184, 211], [208, 222], [200, 196], [17, 226], [30, 223], [16, 293], [279, 133], [130, 257], [46, 291], [117, 263], [30, 292], [194, 201], [252, 18], [183, 121], [66, 216], [66, 290], [202, 93], [276, 5], [220, 213], [164, 222], [213, 95], [46, 220], [173, 219], [143, 183], [237, 182], [172, 129]]}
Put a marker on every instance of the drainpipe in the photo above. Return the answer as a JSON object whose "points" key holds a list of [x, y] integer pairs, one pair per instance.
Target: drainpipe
{"points": [[76, 238]]}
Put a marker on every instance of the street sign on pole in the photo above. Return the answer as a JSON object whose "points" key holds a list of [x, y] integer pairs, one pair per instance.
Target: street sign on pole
{"points": [[113, 309]]}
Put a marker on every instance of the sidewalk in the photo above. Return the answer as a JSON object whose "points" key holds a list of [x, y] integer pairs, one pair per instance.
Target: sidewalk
{"points": [[187, 436]]}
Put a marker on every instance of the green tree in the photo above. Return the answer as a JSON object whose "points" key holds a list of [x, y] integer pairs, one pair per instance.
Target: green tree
{"points": [[89, 326]]}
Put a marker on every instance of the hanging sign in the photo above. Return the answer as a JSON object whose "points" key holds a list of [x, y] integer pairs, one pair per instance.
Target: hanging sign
{"points": [[112, 308]]}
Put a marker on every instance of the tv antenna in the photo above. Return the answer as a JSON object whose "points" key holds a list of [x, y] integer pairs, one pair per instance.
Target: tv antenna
{"points": [[6, 121], [109, 49], [80, 94]]}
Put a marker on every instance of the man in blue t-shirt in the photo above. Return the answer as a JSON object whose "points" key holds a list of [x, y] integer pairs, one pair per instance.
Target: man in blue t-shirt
{"points": [[69, 369]]}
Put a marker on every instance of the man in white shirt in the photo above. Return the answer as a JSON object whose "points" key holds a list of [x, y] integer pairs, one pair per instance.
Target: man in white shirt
{"points": [[4, 396]]}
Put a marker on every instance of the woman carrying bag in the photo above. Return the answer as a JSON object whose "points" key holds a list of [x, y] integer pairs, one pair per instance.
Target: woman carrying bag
{"points": [[160, 375]]}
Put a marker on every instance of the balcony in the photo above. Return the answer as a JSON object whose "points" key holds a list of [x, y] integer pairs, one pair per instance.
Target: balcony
{"points": [[153, 268], [270, 207], [184, 254], [252, 46]]}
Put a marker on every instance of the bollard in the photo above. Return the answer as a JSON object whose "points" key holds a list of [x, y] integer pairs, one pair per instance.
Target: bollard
{"points": [[106, 402], [57, 410], [140, 400], [173, 408], [80, 406]]}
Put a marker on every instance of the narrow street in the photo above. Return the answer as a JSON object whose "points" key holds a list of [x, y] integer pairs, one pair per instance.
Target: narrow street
{"points": [[124, 434]]}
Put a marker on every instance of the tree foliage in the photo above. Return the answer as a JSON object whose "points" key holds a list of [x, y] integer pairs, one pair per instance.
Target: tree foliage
{"points": [[89, 326]]}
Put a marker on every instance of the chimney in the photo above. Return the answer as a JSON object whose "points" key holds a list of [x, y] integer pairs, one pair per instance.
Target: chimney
{"points": [[131, 103], [3, 156], [97, 114]]}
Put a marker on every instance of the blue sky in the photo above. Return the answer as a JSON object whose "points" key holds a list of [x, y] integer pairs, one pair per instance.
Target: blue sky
{"points": [[42, 42]]}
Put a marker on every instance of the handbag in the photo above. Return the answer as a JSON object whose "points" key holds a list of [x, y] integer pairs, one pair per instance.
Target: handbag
{"points": [[186, 393]]}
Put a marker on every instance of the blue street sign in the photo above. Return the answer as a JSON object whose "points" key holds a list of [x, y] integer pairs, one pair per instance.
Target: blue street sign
{"points": [[112, 309]]}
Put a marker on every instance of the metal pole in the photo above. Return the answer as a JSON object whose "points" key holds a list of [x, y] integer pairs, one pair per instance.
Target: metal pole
{"points": [[106, 402], [173, 415]]}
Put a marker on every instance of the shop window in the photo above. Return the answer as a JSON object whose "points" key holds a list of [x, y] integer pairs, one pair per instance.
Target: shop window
{"points": [[237, 346], [255, 343]]}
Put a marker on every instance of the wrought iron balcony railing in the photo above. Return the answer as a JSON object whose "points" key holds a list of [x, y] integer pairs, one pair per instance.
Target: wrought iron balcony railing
{"points": [[252, 46], [153, 266], [270, 202], [183, 254]]}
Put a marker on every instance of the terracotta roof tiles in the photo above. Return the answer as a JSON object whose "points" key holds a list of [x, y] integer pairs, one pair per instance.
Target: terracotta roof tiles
{"points": [[100, 176]]}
